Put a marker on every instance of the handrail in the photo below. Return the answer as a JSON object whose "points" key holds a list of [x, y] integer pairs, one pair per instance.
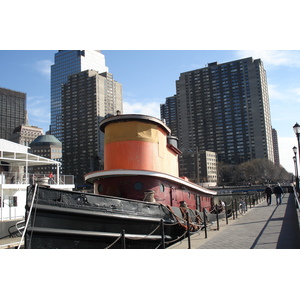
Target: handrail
{"points": [[296, 198]]}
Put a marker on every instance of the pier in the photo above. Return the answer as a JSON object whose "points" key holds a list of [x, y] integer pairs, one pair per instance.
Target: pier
{"points": [[261, 227]]}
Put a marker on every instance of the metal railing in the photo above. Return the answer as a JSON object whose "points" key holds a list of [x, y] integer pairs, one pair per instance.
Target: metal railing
{"points": [[297, 202], [31, 178], [249, 200]]}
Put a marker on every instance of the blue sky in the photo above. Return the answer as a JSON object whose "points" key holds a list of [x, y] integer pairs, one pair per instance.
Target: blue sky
{"points": [[148, 77]]}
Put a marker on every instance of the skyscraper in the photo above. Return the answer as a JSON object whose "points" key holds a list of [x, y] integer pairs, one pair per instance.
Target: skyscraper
{"points": [[66, 63], [87, 98], [224, 108], [12, 111], [168, 113], [275, 147]]}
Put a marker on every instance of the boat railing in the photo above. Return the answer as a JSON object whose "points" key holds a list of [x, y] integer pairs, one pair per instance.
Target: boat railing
{"points": [[31, 178]]}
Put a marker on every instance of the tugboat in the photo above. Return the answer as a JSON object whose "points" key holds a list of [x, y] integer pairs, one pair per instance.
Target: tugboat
{"points": [[139, 200]]}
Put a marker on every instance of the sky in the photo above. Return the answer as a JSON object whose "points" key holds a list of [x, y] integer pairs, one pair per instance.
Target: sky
{"points": [[149, 76]]}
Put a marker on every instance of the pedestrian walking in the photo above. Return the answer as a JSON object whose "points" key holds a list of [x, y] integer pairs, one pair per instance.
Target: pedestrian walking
{"points": [[278, 191], [268, 194]]}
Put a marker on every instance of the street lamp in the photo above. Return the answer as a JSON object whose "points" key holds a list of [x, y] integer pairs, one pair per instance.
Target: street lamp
{"points": [[296, 128], [296, 168]]}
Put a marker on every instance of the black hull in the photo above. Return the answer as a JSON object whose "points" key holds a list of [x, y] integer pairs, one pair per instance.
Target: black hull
{"points": [[72, 220]]}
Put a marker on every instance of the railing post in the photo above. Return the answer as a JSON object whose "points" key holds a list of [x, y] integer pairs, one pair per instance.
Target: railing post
{"points": [[204, 217], [162, 230], [226, 216], [232, 208], [236, 208], [188, 230], [123, 243], [217, 217]]}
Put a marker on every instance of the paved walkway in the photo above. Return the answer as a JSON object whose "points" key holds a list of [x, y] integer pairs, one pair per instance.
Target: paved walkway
{"points": [[262, 227]]}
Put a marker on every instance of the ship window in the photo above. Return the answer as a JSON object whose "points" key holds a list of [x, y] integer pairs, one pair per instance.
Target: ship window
{"points": [[100, 188], [138, 186], [162, 188]]}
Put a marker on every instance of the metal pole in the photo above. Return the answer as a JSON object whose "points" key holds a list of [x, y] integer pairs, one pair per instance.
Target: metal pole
{"points": [[296, 172], [217, 217], [204, 216], [226, 216], [188, 230], [299, 155], [123, 243], [57, 174], [235, 204], [162, 230]]}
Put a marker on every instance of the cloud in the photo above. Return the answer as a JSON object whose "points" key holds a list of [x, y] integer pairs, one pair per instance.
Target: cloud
{"points": [[275, 58], [43, 67], [149, 107], [286, 153], [274, 92], [38, 111]]}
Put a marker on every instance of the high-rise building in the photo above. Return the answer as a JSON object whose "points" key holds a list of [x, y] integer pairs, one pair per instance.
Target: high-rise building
{"points": [[66, 63], [168, 113], [224, 108], [87, 98], [275, 147], [12, 111]]}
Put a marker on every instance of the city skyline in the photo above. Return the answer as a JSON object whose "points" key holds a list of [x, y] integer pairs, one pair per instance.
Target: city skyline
{"points": [[148, 78]]}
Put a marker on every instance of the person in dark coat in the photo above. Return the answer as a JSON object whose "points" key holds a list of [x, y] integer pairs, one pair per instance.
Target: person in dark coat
{"points": [[278, 191], [268, 194]]}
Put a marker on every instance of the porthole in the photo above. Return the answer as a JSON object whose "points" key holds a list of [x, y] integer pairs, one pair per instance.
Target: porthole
{"points": [[100, 188], [138, 186]]}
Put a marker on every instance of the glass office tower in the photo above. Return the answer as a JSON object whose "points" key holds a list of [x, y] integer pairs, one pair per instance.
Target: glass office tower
{"points": [[66, 63]]}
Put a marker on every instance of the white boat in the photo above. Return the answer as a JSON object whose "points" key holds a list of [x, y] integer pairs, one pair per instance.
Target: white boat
{"points": [[15, 161]]}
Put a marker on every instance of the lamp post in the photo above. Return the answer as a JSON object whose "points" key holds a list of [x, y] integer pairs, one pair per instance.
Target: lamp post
{"points": [[296, 128], [296, 168]]}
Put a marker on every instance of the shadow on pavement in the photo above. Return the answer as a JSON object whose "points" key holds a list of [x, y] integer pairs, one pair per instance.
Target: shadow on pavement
{"points": [[289, 237]]}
